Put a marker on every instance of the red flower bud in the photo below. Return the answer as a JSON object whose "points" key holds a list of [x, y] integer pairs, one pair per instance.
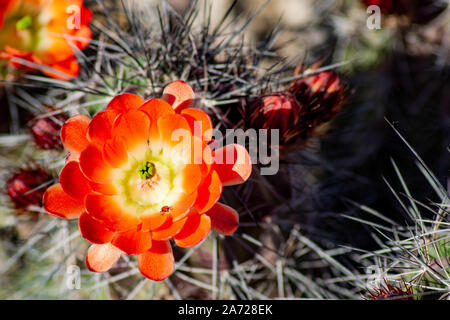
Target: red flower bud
{"points": [[322, 96], [300, 110], [27, 187], [418, 11], [386, 6], [276, 111], [45, 132]]}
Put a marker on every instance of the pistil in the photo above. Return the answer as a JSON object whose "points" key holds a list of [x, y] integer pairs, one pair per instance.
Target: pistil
{"points": [[147, 171], [24, 23]]}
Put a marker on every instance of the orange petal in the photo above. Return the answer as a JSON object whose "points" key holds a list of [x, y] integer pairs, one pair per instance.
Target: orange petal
{"points": [[107, 210], [174, 129], [124, 102], [60, 204], [182, 207], [104, 188], [207, 160], [115, 152], [179, 95], [223, 219], [73, 133], [85, 34], [208, 192], [158, 262], [62, 70], [196, 228], [93, 166], [153, 220], [169, 229], [192, 176], [5, 6], [133, 127], [133, 242], [101, 257], [200, 153], [93, 230], [199, 122], [99, 130], [86, 15], [73, 181], [233, 164], [155, 109]]}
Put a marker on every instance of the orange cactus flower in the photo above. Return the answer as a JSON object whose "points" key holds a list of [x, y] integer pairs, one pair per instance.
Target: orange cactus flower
{"points": [[135, 184], [44, 33]]}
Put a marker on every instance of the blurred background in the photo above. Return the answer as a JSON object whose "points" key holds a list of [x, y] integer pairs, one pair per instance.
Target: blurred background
{"points": [[359, 207]]}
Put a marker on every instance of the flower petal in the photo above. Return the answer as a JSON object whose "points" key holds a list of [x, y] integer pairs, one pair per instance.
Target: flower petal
{"points": [[207, 160], [179, 95], [58, 203], [199, 153], [174, 129], [101, 257], [99, 130], [73, 133], [124, 102], [104, 188], [62, 70], [6, 6], [158, 262], [169, 229], [152, 221], [133, 242], [108, 211], [192, 176], [223, 219], [233, 164], [84, 34], [93, 166], [155, 109], [73, 181], [133, 127], [93, 230], [208, 192], [199, 122], [181, 208], [196, 228], [115, 152]]}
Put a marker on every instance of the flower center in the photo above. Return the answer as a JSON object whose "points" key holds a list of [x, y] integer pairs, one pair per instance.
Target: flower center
{"points": [[24, 23], [149, 181], [147, 171], [27, 27], [20, 29]]}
